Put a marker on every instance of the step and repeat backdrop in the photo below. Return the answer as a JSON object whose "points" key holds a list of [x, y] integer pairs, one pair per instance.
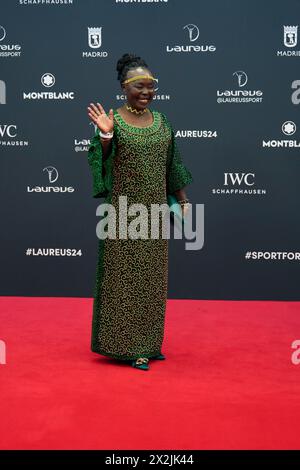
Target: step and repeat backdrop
{"points": [[228, 81]]}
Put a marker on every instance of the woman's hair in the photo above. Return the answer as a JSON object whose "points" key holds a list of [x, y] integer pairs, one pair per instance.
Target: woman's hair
{"points": [[127, 62]]}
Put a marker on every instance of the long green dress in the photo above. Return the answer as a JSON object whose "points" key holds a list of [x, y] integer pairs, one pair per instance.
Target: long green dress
{"points": [[132, 274]]}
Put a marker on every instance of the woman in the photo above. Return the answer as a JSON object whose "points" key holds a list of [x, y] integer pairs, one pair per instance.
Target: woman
{"points": [[133, 154]]}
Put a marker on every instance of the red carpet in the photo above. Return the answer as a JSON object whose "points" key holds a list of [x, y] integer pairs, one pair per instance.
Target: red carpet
{"points": [[228, 381]]}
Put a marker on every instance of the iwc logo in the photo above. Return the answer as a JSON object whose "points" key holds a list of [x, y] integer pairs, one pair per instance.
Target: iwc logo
{"points": [[236, 184]]}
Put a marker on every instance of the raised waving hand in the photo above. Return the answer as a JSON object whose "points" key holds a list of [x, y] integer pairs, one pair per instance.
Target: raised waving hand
{"points": [[105, 122]]}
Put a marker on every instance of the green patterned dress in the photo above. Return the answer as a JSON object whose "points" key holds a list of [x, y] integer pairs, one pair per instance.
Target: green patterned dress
{"points": [[132, 274]]}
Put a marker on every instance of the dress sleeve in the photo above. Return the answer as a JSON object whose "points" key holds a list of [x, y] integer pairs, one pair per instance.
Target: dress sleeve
{"points": [[100, 167], [177, 174]]}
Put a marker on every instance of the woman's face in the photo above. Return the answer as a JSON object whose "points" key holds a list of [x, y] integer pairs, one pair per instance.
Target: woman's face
{"points": [[139, 92]]}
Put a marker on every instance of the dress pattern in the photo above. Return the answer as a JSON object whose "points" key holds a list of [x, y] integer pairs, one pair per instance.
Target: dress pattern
{"points": [[130, 292]]}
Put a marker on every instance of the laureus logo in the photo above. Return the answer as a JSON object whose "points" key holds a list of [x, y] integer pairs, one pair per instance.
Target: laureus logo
{"points": [[242, 77], [193, 31], [239, 96], [2, 33], [8, 50], [52, 174], [193, 34]]}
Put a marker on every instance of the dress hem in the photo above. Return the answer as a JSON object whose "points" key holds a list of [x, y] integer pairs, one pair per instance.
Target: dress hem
{"points": [[125, 358]]}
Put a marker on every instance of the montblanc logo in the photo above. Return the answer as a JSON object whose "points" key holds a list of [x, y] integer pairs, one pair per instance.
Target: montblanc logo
{"points": [[290, 40], [238, 184], [288, 128], [8, 134], [192, 32], [239, 95], [94, 40], [52, 174], [8, 50], [48, 81]]}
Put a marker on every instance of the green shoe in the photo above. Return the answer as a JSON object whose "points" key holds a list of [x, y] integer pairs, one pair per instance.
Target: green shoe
{"points": [[159, 356], [141, 363]]}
